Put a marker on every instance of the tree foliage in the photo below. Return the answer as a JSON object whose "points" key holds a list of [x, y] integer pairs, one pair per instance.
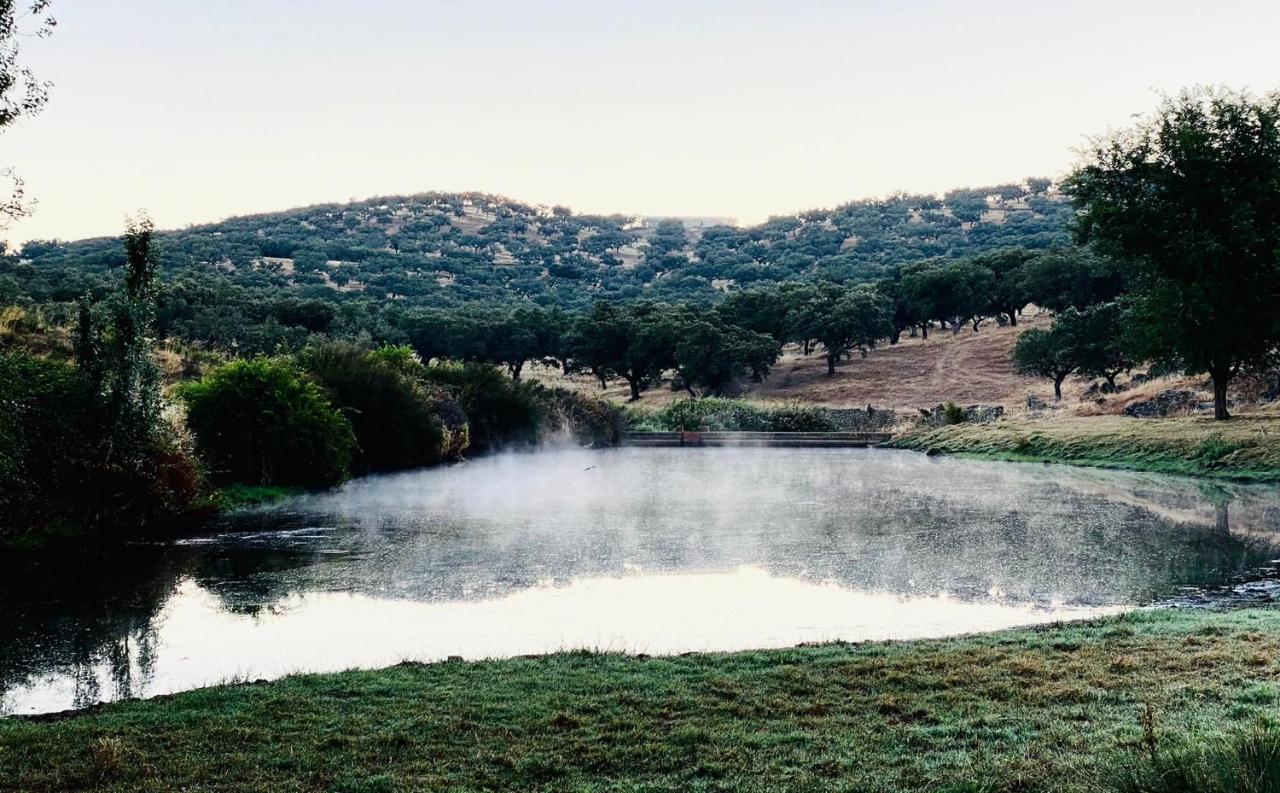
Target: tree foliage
{"points": [[1188, 202], [263, 422]]}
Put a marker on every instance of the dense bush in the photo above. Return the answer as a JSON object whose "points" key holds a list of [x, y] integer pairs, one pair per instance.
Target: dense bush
{"points": [[264, 422], [395, 415], [587, 420], [735, 415], [500, 411], [58, 466]]}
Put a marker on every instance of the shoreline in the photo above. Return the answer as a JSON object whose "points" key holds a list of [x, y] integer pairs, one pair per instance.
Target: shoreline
{"points": [[1245, 449]]}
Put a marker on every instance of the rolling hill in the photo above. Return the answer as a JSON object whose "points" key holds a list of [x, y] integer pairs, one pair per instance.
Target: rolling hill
{"points": [[449, 249]]}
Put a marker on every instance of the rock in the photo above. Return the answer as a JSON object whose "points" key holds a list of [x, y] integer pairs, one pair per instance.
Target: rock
{"points": [[972, 414], [1165, 403], [869, 420], [1138, 378], [1035, 403]]}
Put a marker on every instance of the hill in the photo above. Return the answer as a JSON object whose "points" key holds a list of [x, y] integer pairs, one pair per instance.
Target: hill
{"points": [[448, 249]]}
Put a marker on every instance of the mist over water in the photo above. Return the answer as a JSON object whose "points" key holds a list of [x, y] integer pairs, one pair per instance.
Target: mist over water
{"points": [[642, 550]]}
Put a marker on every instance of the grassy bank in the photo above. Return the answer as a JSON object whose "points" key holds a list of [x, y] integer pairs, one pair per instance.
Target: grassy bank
{"points": [[1247, 448], [1063, 708]]}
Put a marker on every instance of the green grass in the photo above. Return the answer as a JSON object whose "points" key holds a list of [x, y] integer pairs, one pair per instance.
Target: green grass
{"points": [[1065, 708], [233, 496], [1245, 448]]}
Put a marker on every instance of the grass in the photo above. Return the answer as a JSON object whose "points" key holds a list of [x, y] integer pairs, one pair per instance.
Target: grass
{"points": [[1246, 448], [233, 496], [1077, 707]]}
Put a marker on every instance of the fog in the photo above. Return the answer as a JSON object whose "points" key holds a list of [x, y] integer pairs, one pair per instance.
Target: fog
{"points": [[638, 550]]}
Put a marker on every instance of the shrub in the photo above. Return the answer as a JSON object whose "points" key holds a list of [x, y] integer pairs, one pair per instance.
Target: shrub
{"points": [[394, 414], [58, 467], [500, 411], [263, 422], [590, 421], [953, 414], [735, 415]]}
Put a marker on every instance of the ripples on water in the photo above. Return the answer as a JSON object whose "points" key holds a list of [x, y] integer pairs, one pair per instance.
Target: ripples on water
{"points": [[645, 550]]}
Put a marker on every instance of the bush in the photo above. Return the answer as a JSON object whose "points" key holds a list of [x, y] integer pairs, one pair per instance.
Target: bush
{"points": [[591, 421], [262, 422], [500, 411], [394, 414], [735, 415], [55, 469], [953, 414]]}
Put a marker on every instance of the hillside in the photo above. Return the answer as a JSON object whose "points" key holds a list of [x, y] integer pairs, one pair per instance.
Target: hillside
{"points": [[445, 249], [967, 368]]}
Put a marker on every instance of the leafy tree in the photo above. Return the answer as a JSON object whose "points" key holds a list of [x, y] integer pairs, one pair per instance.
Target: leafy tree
{"points": [[1103, 346], [711, 356], [1009, 294], [500, 411], [1069, 278], [1188, 201], [21, 93], [844, 320], [1052, 353], [263, 422]]}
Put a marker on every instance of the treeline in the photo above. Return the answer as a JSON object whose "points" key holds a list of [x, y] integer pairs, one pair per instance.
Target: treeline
{"points": [[708, 350], [91, 444]]}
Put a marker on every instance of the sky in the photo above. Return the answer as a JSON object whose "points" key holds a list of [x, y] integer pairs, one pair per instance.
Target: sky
{"points": [[196, 111]]}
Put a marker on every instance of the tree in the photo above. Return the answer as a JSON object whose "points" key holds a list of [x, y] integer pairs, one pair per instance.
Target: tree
{"points": [[635, 343], [710, 355], [1049, 353], [21, 93], [1188, 202], [1068, 278], [844, 321], [1103, 347], [392, 412], [1009, 296]]}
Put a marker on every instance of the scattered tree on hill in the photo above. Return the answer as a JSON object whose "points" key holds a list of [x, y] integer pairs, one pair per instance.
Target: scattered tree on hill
{"points": [[711, 356], [1068, 278], [1009, 295], [1188, 201], [1103, 344], [1049, 353], [844, 321]]}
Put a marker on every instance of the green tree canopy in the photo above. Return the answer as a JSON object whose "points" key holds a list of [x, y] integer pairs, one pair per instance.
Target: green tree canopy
{"points": [[1188, 201]]}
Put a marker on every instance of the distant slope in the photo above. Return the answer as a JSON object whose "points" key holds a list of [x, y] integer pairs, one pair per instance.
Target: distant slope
{"points": [[438, 249], [967, 368]]}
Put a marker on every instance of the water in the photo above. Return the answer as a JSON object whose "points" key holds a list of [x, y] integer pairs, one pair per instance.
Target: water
{"points": [[642, 550]]}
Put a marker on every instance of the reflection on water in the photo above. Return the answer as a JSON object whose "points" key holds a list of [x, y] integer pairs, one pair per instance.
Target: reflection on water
{"points": [[645, 550]]}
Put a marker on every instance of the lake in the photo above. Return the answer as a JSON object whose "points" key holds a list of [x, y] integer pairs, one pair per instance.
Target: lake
{"points": [[637, 550]]}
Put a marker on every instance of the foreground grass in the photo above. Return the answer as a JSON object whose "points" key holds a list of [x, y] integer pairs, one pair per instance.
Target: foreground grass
{"points": [[1246, 448], [1040, 709]]}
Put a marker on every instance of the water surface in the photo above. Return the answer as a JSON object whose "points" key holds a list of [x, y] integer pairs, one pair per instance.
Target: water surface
{"points": [[640, 550]]}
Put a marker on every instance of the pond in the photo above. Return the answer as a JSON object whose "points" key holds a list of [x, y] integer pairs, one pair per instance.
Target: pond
{"points": [[638, 550]]}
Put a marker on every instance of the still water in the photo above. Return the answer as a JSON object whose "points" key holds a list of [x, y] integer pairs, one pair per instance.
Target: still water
{"points": [[640, 550]]}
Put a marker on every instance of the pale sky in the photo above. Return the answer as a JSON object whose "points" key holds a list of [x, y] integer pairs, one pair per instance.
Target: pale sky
{"points": [[198, 110]]}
